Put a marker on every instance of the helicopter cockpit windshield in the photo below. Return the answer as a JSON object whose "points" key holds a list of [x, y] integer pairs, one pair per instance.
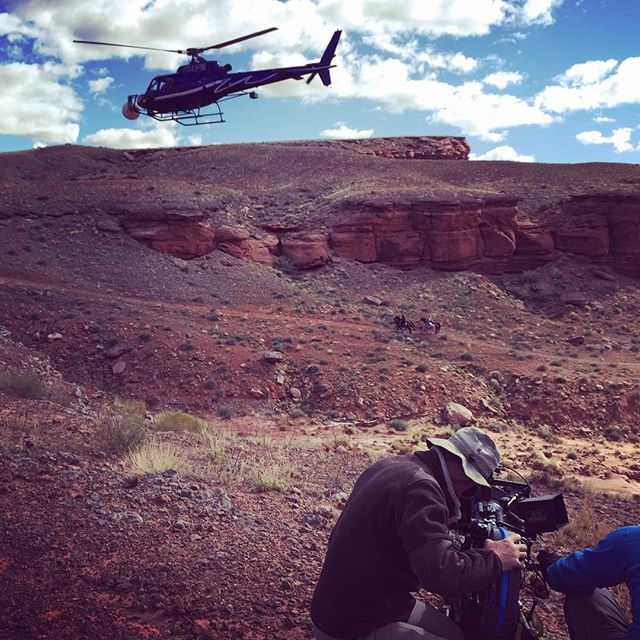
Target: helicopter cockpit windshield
{"points": [[160, 85]]}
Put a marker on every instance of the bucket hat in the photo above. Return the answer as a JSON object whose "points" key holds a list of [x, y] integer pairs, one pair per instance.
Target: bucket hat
{"points": [[477, 451]]}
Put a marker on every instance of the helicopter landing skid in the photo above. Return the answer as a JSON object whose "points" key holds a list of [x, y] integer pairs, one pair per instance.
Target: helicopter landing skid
{"points": [[190, 118]]}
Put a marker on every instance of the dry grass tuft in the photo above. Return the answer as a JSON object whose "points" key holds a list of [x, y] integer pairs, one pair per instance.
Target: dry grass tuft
{"points": [[273, 477], [122, 429], [156, 457]]}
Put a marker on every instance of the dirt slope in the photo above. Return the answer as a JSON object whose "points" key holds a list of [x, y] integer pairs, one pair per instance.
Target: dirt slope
{"points": [[547, 360]]}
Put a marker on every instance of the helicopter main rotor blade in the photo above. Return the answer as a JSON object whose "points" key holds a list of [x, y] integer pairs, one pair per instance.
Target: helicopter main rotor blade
{"points": [[129, 46], [240, 39]]}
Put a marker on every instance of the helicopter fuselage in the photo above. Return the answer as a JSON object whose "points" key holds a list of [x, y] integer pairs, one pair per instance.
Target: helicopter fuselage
{"points": [[201, 84]]}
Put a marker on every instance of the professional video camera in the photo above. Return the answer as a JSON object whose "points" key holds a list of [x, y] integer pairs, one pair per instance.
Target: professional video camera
{"points": [[507, 507]]}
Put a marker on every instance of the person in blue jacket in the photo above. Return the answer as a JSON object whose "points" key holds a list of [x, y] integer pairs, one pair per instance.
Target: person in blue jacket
{"points": [[591, 611]]}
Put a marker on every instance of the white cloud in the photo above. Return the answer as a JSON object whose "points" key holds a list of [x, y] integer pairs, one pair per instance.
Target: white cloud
{"points": [[35, 102], [592, 90], [100, 85], [538, 11], [587, 72], [160, 136], [341, 130], [456, 62], [603, 119], [620, 139], [502, 79], [505, 152], [433, 18], [488, 115]]}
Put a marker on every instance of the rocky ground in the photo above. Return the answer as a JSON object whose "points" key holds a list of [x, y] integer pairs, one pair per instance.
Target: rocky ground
{"points": [[299, 375]]}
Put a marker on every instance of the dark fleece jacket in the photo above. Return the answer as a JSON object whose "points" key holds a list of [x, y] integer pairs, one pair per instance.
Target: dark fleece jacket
{"points": [[391, 539]]}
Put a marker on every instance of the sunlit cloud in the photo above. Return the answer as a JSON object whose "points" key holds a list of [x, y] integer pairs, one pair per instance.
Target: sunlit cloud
{"points": [[620, 139], [342, 131]]}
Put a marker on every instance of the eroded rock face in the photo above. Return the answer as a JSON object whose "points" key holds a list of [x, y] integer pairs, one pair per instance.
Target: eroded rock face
{"points": [[413, 147], [239, 243], [477, 234], [605, 226], [306, 250], [446, 235], [181, 233]]}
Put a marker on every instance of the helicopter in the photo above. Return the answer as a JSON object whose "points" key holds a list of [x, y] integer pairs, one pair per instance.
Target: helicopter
{"points": [[184, 96]]}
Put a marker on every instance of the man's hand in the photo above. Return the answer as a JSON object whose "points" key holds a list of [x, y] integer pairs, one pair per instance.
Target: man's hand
{"points": [[510, 551], [546, 559]]}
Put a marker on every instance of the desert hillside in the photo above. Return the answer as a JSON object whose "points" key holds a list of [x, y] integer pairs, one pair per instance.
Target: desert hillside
{"points": [[198, 356]]}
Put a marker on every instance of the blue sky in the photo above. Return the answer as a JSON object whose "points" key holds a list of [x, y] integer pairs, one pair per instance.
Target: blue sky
{"points": [[529, 80]]}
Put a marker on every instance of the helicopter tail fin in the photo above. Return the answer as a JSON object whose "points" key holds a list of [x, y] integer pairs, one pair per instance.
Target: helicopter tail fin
{"points": [[327, 57]]}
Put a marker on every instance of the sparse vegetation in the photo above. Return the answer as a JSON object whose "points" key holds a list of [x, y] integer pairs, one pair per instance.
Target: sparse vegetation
{"points": [[399, 425], [122, 428], [23, 384], [225, 412], [273, 477], [178, 421], [156, 457]]}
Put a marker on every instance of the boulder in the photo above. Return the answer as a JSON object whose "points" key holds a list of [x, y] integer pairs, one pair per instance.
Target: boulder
{"points": [[458, 415]]}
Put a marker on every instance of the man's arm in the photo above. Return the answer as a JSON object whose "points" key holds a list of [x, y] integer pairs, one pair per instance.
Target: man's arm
{"points": [[601, 566], [442, 569], [422, 525]]}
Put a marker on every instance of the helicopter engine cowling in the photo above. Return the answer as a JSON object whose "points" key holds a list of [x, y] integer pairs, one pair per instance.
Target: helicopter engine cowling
{"points": [[129, 111]]}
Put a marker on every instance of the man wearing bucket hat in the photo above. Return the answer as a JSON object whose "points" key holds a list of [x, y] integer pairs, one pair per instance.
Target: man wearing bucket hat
{"points": [[392, 539]]}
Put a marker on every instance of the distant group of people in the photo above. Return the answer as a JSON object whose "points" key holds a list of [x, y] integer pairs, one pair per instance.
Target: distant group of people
{"points": [[392, 538], [427, 325]]}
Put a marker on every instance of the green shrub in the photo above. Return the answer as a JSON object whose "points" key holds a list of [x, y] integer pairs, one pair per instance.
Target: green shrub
{"points": [[422, 368], [23, 384], [121, 429], [225, 412], [398, 425], [274, 477], [178, 421]]}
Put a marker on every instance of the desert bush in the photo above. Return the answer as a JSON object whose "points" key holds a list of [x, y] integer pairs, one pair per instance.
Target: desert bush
{"points": [[179, 421], [273, 477], [122, 428], [156, 457], [225, 412], [549, 466], [23, 384], [398, 425]]}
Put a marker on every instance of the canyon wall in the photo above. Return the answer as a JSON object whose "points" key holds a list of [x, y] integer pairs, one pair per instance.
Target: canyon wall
{"points": [[484, 235]]}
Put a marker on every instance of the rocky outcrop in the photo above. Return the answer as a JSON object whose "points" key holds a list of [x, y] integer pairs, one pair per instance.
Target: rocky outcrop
{"points": [[483, 235], [238, 242], [445, 235], [306, 250], [603, 226], [412, 147], [182, 233]]}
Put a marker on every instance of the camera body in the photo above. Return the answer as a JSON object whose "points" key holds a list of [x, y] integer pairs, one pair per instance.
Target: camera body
{"points": [[495, 513]]}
